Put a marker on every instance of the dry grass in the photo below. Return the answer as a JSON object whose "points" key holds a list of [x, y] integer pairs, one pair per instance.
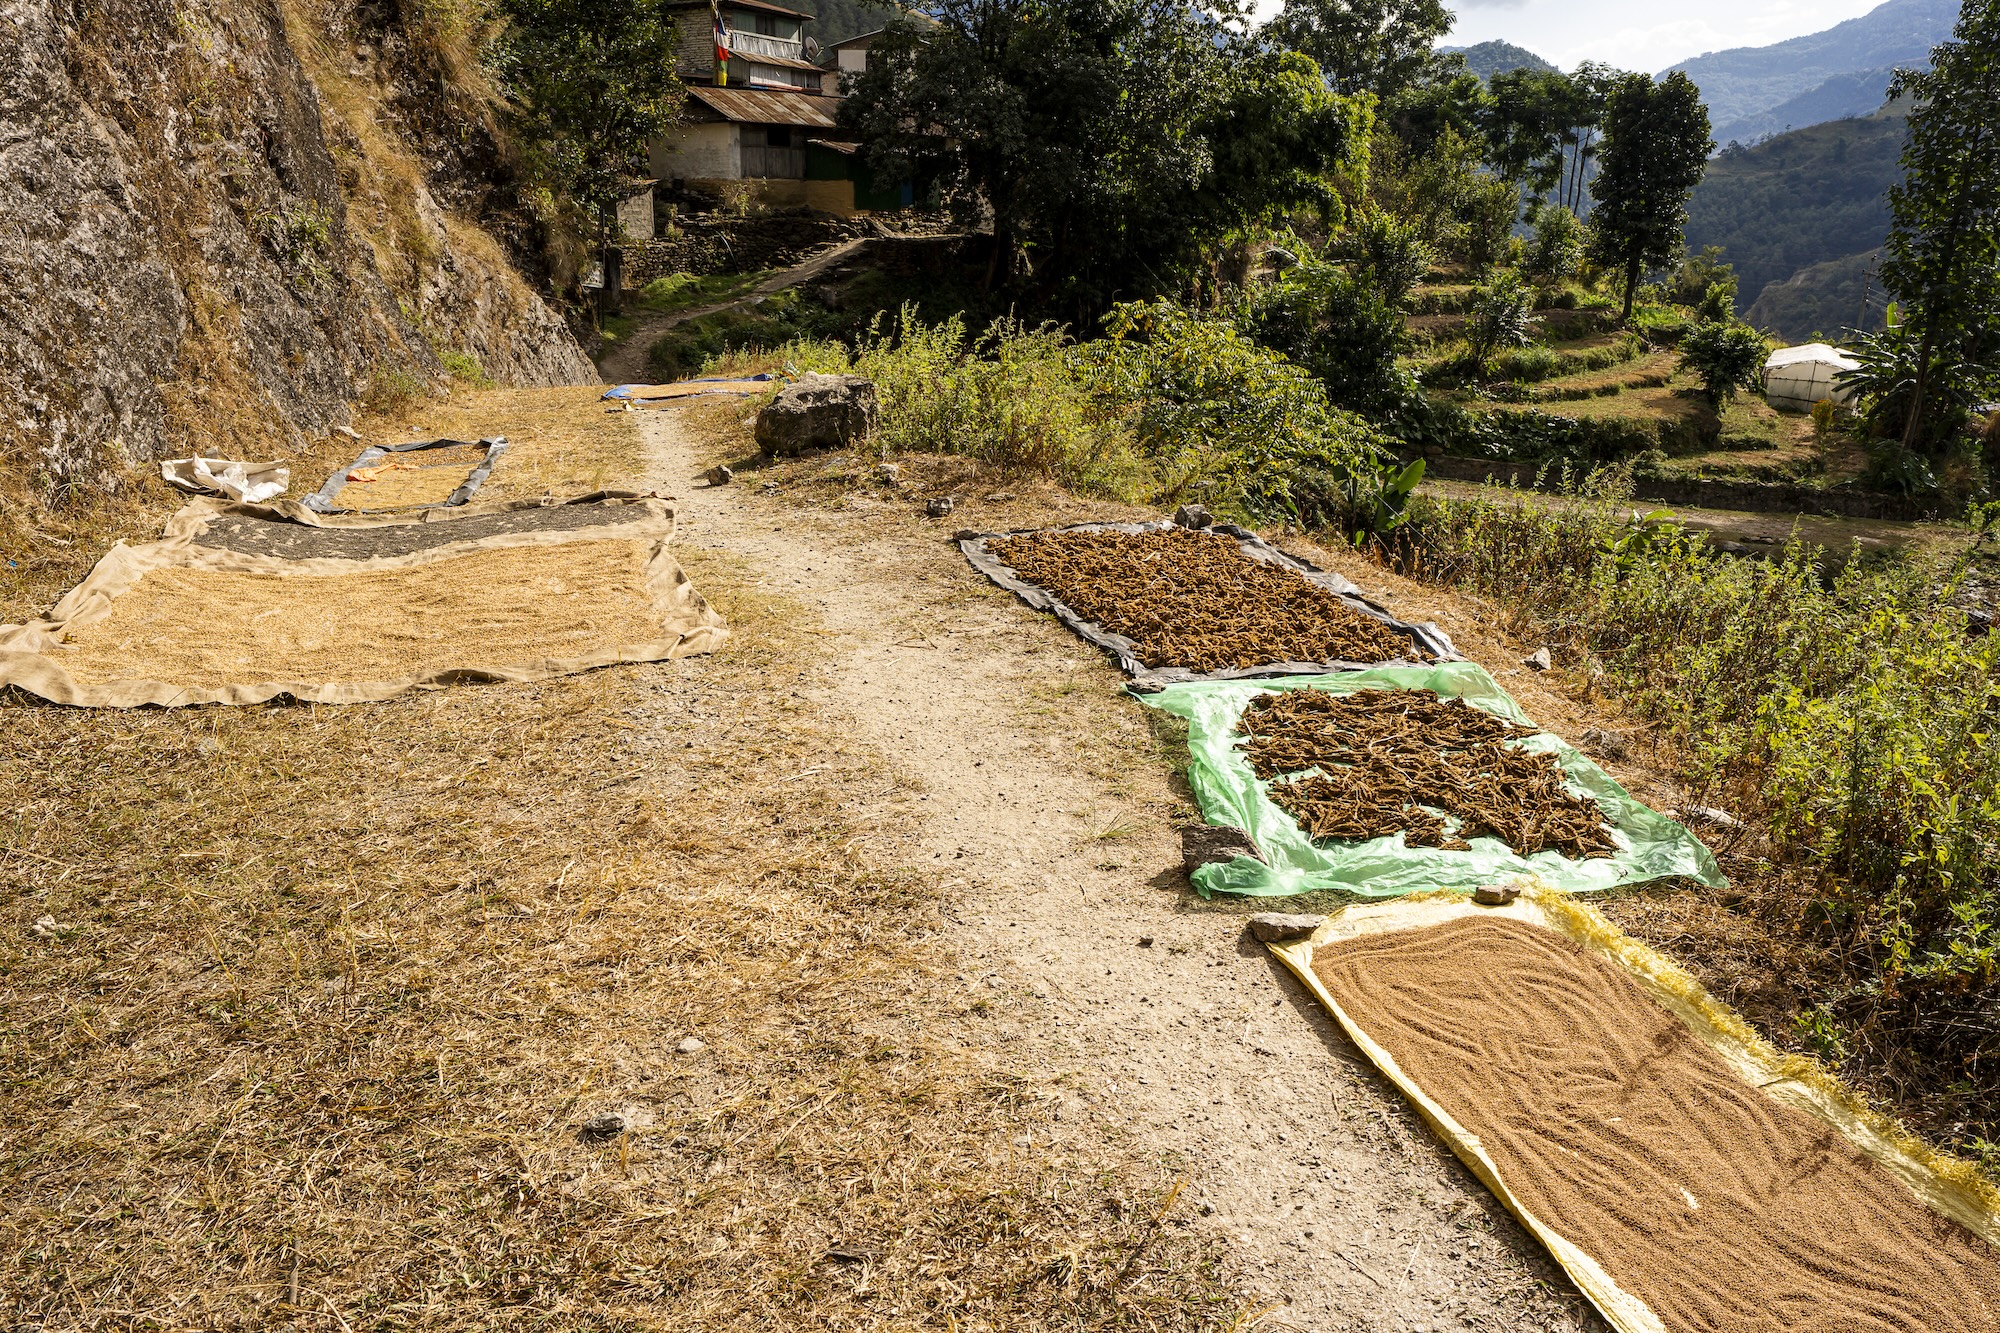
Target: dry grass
{"points": [[333, 994]]}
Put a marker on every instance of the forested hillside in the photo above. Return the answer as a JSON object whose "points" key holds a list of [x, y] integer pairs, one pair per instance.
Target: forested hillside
{"points": [[1798, 200], [1824, 299], [1491, 58], [837, 20], [1745, 81]]}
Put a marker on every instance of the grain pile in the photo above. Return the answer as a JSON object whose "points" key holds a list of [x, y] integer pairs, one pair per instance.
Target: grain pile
{"points": [[1192, 599], [206, 627], [1611, 1122], [1379, 762]]}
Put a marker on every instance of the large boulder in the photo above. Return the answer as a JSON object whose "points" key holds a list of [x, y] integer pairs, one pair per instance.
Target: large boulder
{"points": [[829, 411]]}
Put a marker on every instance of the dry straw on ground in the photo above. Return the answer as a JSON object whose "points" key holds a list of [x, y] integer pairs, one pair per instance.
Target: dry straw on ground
{"points": [[333, 994], [1193, 599]]}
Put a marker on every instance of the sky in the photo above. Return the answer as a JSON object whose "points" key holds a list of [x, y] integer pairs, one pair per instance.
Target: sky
{"points": [[1642, 36]]}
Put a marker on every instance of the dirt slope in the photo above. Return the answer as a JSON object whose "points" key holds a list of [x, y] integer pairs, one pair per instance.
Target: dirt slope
{"points": [[1053, 807]]}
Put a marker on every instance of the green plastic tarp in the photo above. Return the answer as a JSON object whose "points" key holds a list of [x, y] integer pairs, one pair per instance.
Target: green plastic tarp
{"points": [[1651, 846]]}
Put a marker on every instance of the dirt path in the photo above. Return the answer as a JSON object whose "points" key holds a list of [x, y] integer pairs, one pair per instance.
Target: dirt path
{"points": [[1052, 812], [626, 363]]}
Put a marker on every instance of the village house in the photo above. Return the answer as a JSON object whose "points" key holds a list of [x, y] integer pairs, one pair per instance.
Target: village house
{"points": [[765, 118]]}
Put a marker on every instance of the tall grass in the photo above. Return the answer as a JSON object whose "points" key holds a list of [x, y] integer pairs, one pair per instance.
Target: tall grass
{"points": [[1856, 715], [1173, 406]]}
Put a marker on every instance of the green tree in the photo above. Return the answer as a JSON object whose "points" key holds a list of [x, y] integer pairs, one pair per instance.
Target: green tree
{"points": [[1943, 261], [1656, 146], [1111, 142], [592, 84], [1375, 46], [1724, 355], [1589, 89], [1386, 253], [1454, 98], [1524, 125]]}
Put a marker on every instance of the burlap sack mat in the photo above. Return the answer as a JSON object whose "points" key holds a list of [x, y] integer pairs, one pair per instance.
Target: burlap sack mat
{"points": [[592, 577], [1950, 1189]]}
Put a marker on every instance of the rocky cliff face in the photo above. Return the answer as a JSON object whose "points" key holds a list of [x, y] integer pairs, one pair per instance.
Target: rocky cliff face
{"points": [[223, 223]]}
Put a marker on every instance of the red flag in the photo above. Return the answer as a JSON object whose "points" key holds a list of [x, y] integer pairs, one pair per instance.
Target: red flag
{"points": [[721, 45]]}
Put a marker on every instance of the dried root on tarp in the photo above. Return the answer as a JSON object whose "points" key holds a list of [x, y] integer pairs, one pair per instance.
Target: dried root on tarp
{"points": [[1379, 762], [1192, 599]]}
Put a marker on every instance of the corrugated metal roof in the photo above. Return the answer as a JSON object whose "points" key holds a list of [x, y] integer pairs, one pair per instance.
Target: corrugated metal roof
{"points": [[759, 106], [752, 59], [745, 4]]}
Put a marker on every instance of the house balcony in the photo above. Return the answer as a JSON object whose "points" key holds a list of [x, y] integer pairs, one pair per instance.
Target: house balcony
{"points": [[754, 44]]}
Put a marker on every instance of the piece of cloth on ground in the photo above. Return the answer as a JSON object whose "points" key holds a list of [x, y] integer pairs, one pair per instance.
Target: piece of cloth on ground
{"points": [[420, 474], [1426, 640], [210, 615], [251, 483], [1648, 844], [1690, 1177], [653, 393]]}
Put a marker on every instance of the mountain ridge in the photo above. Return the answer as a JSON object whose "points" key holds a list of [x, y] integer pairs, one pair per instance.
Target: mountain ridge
{"points": [[1743, 82]]}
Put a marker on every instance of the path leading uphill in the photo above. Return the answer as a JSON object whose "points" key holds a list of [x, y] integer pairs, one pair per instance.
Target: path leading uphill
{"points": [[626, 363], [1052, 814]]}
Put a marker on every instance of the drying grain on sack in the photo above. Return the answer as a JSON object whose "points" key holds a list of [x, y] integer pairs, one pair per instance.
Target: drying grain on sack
{"points": [[1614, 1124], [1380, 762], [1192, 599], [207, 627]]}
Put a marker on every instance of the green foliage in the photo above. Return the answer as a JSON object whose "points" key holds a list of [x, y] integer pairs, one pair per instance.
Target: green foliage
{"points": [[1228, 422], [465, 368], [1943, 261], [1886, 385], [1725, 356], [1487, 218], [1656, 147], [1373, 46], [1556, 252], [1385, 253], [1503, 315], [1112, 143], [1336, 326], [1018, 397], [591, 84], [1854, 717]]}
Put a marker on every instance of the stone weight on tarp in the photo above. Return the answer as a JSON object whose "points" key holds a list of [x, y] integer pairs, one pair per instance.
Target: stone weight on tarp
{"points": [[829, 411]]}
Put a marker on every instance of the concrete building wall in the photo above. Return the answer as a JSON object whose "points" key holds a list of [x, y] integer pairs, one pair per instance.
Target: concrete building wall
{"points": [[709, 150]]}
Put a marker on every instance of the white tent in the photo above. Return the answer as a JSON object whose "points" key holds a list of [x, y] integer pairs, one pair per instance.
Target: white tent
{"points": [[1797, 377]]}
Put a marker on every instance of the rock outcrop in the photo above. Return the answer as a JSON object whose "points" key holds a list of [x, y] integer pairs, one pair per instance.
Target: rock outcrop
{"points": [[817, 411], [216, 236]]}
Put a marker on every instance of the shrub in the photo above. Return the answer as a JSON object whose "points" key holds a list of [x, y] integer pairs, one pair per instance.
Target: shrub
{"points": [[1557, 249], [1503, 315], [1336, 326], [1018, 397], [1725, 357], [1229, 422], [1386, 253]]}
